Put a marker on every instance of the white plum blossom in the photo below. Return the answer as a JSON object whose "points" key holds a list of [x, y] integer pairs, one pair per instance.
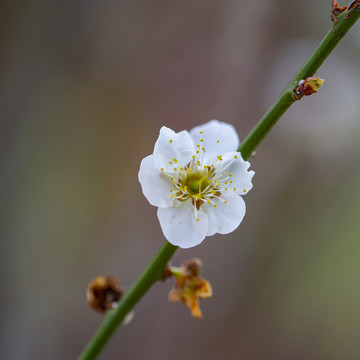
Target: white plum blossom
{"points": [[197, 180]]}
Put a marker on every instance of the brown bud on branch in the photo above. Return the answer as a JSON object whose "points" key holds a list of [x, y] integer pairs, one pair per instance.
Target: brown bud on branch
{"points": [[307, 87], [336, 10]]}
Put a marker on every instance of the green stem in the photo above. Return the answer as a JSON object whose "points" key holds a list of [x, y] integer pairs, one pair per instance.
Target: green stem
{"points": [[154, 270], [114, 318], [286, 99]]}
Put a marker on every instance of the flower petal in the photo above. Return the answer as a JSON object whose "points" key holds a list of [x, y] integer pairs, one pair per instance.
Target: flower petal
{"points": [[236, 166], [214, 131], [170, 146], [180, 227], [225, 218], [154, 185]]}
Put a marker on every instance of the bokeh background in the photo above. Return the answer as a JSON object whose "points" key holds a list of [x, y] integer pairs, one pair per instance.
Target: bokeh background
{"points": [[85, 87]]}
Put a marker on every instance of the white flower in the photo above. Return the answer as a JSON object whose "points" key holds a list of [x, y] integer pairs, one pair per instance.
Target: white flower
{"points": [[196, 179]]}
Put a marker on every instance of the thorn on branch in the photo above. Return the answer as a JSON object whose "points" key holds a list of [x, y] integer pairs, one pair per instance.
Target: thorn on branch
{"points": [[307, 87]]}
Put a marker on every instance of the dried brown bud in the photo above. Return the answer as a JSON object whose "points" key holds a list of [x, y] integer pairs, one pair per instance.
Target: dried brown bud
{"points": [[336, 10], [189, 286], [104, 292], [307, 87]]}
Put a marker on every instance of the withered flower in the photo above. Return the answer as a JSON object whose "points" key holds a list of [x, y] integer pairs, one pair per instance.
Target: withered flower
{"points": [[104, 292], [189, 286]]}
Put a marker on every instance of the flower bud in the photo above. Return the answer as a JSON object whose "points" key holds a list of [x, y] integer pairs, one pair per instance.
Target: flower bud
{"points": [[307, 87]]}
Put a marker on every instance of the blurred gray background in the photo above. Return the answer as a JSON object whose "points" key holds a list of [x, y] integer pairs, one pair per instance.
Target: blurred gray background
{"points": [[85, 87]]}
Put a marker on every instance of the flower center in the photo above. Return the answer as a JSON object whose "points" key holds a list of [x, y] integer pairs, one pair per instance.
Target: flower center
{"points": [[196, 182]]}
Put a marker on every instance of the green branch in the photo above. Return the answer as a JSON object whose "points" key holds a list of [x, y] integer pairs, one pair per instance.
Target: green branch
{"points": [[154, 270], [286, 98], [112, 320]]}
